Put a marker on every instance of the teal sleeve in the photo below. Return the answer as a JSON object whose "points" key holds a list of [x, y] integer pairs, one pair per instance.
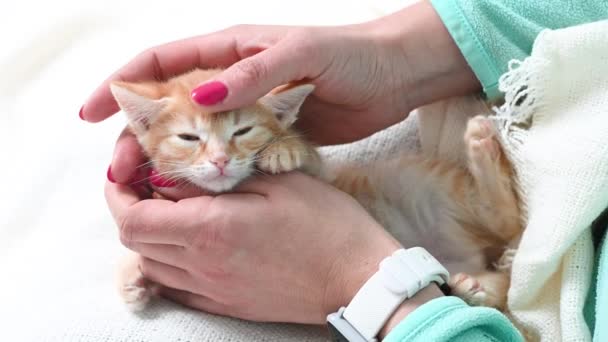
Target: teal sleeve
{"points": [[596, 307], [490, 33], [451, 319]]}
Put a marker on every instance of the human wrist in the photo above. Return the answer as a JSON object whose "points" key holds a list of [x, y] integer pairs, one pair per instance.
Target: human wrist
{"points": [[408, 306], [370, 294], [434, 66], [354, 267]]}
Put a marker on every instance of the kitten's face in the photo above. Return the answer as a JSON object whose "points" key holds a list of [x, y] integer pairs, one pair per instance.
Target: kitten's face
{"points": [[215, 151]]}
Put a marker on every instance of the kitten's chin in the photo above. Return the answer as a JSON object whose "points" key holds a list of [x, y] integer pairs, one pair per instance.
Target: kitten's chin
{"points": [[217, 185]]}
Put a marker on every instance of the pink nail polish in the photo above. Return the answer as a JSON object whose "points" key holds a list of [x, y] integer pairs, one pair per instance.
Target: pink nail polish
{"points": [[159, 181], [80, 113], [109, 175], [210, 93]]}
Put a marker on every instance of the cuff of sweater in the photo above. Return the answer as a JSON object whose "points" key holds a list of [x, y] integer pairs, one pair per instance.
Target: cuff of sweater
{"points": [[451, 319], [469, 44]]}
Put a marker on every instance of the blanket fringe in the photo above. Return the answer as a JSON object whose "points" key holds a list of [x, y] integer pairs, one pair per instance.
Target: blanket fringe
{"points": [[524, 88], [523, 96]]}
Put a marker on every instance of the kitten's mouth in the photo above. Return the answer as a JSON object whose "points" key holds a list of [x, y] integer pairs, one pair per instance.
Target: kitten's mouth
{"points": [[218, 183], [221, 175]]}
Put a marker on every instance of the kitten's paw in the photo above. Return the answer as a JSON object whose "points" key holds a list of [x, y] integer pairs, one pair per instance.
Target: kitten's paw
{"points": [[135, 297], [480, 139], [279, 158], [505, 262], [134, 289], [468, 289], [137, 292]]}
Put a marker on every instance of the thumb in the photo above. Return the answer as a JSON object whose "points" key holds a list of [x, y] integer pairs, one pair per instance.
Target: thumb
{"points": [[253, 77]]}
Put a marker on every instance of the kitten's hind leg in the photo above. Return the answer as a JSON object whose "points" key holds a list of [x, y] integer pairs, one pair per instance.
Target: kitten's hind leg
{"points": [[483, 152], [485, 289], [493, 176]]}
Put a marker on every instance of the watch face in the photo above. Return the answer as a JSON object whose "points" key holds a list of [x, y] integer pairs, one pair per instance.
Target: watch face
{"points": [[336, 335]]}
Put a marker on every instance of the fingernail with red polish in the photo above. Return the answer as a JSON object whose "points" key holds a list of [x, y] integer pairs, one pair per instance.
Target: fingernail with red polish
{"points": [[80, 113], [109, 174], [210, 93], [159, 181]]}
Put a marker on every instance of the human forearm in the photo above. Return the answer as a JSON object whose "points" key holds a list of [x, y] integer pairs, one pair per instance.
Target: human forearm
{"points": [[436, 69], [429, 293]]}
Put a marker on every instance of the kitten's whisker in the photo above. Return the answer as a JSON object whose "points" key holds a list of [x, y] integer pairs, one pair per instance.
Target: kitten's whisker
{"points": [[258, 171], [145, 164], [166, 162], [174, 175], [138, 182], [157, 162]]}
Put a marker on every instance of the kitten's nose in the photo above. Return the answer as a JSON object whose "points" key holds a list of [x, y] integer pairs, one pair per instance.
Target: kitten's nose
{"points": [[220, 160]]}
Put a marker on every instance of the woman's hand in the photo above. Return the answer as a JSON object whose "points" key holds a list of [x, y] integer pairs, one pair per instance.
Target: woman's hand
{"points": [[367, 76], [286, 248]]}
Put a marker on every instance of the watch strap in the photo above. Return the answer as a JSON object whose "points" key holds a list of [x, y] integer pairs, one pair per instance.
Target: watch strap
{"points": [[399, 277]]}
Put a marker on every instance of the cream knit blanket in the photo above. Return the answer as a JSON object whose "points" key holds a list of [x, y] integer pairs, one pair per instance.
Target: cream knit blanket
{"points": [[554, 126]]}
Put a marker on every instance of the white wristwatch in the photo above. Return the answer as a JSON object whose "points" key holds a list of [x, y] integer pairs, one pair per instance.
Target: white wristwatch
{"points": [[400, 276]]}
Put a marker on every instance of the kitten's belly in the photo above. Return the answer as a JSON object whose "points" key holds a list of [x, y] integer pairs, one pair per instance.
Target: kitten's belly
{"points": [[417, 211], [444, 243]]}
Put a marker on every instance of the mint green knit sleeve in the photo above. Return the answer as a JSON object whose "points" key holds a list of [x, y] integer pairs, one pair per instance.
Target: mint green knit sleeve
{"points": [[490, 33], [451, 319], [596, 306]]}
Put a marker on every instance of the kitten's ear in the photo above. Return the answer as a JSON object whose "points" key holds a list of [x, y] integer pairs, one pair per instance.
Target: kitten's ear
{"points": [[139, 101], [286, 104]]}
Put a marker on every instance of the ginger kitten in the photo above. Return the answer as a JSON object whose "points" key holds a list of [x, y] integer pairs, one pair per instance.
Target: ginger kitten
{"points": [[465, 217]]}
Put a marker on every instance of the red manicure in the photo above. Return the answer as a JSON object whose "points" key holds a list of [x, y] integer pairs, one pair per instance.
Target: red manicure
{"points": [[210, 93], [159, 181], [80, 113], [109, 174]]}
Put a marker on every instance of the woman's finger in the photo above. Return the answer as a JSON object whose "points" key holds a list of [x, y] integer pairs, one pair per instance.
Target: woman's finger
{"points": [[219, 49], [127, 160], [160, 63], [167, 254], [120, 198], [251, 78], [166, 275], [154, 220], [195, 301]]}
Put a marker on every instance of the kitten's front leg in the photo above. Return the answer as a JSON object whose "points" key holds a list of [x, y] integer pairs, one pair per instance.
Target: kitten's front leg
{"points": [[288, 154], [135, 290]]}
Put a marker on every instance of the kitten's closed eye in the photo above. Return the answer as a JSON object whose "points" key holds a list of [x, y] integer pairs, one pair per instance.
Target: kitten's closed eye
{"points": [[242, 131], [188, 137]]}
